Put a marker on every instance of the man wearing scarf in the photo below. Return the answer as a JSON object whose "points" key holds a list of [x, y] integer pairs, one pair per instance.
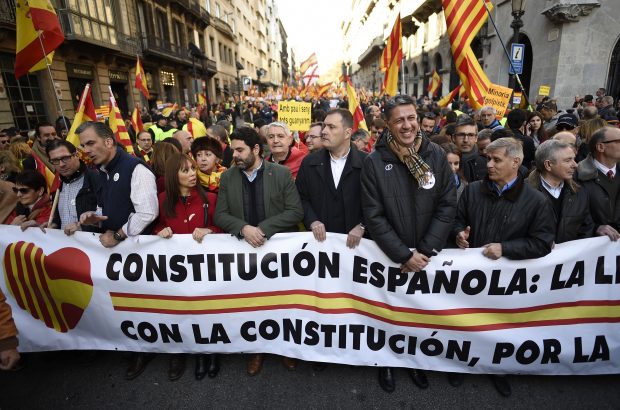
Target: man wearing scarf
{"points": [[78, 190], [408, 199], [44, 133], [465, 138]]}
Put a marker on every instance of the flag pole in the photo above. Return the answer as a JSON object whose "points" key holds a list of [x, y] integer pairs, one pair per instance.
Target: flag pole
{"points": [[506, 52], [49, 71]]}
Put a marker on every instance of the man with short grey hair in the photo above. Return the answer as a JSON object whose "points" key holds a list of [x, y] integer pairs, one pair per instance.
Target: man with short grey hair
{"points": [[607, 111], [553, 176], [504, 216], [283, 151], [488, 119]]}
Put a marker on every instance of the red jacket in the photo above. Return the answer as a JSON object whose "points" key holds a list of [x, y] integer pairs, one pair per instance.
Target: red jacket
{"points": [[189, 215], [293, 160], [40, 211]]}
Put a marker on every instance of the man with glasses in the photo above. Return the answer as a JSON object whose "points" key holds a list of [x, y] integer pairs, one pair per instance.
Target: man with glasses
{"points": [[313, 137], [78, 189], [5, 140], [376, 129], [465, 137], [144, 142], [598, 174]]}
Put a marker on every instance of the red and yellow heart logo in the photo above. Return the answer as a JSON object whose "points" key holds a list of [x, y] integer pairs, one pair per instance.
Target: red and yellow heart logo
{"points": [[55, 289]]}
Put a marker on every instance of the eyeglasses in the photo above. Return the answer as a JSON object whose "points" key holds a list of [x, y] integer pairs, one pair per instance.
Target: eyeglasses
{"points": [[564, 127], [462, 135], [5, 142], [311, 137], [22, 191], [610, 141], [64, 160]]}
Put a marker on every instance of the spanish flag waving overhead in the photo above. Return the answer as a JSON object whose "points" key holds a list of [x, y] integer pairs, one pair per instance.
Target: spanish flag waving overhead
{"points": [[85, 112], [38, 29], [433, 87], [354, 107], [141, 80], [391, 58]]}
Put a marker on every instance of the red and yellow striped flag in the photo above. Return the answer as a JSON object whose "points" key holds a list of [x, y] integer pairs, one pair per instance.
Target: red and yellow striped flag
{"points": [[464, 19], [38, 29], [51, 178], [433, 87], [323, 89], [118, 125], [448, 98], [136, 120], [391, 58], [141, 80], [354, 108], [86, 112]]}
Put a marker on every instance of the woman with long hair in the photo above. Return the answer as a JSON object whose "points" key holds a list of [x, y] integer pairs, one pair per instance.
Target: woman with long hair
{"points": [[186, 208], [534, 128], [161, 152], [33, 202], [9, 166], [586, 129]]}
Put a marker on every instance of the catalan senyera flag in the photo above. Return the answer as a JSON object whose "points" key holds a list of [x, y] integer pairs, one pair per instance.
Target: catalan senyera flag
{"points": [[136, 120], [85, 112], [323, 89], [141, 80], [38, 29], [354, 108], [433, 87], [310, 61], [391, 58], [450, 97], [167, 111], [118, 125], [51, 178], [464, 19]]}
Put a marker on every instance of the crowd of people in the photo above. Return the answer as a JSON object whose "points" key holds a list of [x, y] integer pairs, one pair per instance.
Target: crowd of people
{"points": [[420, 180]]}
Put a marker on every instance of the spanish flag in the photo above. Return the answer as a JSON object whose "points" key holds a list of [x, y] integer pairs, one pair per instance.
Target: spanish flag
{"points": [[141, 80], [38, 29], [354, 108], [195, 127], [118, 125], [86, 112], [391, 58], [433, 87], [167, 111], [464, 18], [448, 98]]}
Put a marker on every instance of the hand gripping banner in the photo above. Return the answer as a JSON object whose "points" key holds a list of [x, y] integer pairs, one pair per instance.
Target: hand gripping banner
{"points": [[317, 301]]}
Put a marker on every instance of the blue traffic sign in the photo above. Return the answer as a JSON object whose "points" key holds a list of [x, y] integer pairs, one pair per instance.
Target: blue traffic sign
{"points": [[517, 52]]}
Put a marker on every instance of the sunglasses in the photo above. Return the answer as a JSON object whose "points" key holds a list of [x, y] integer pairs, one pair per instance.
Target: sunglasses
{"points": [[5, 142], [22, 191], [564, 127]]}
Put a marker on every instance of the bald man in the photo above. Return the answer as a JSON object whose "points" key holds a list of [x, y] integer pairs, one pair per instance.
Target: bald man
{"points": [[185, 138]]}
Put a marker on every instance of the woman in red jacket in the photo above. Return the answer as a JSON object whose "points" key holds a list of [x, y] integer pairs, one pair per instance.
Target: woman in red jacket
{"points": [[186, 208], [33, 203]]}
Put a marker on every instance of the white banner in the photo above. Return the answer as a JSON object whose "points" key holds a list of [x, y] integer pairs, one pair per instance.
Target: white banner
{"points": [[317, 301]]}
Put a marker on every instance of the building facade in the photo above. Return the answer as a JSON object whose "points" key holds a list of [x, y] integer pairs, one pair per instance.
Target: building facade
{"points": [[572, 46], [187, 48]]}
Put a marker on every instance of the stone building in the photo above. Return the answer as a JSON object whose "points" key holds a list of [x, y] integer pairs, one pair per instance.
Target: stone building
{"points": [[572, 46]]}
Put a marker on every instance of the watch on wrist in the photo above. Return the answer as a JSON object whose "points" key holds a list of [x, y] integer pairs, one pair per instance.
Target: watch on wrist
{"points": [[118, 237]]}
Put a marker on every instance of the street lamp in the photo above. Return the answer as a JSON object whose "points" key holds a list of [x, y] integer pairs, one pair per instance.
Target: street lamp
{"points": [[518, 9], [239, 67]]}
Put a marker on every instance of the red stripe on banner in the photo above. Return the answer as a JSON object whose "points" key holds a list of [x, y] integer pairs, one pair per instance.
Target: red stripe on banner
{"points": [[44, 285], [479, 328], [439, 312], [11, 274], [36, 292], [21, 267]]}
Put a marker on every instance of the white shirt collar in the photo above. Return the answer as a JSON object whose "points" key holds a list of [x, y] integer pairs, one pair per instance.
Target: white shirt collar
{"points": [[604, 168]]}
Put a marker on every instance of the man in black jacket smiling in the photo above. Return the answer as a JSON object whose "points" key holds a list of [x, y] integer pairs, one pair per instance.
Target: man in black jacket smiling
{"points": [[408, 199]]}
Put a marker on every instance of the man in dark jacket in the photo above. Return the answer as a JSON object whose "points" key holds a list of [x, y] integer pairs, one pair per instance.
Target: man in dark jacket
{"points": [[465, 138], [553, 176], [516, 120], [408, 199], [78, 190], [329, 182], [598, 174], [504, 215]]}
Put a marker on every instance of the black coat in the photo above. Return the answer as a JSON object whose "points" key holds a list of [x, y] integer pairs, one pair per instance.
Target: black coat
{"points": [[575, 220], [529, 149], [86, 198], [398, 213], [320, 198], [603, 212], [521, 219], [475, 167]]}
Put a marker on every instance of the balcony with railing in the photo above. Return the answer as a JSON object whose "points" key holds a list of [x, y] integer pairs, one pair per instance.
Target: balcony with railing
{"points": [[7, 12], [223, 27]]}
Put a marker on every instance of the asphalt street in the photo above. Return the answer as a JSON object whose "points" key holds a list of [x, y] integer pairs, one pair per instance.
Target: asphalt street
{"points": [[75, 380]]}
